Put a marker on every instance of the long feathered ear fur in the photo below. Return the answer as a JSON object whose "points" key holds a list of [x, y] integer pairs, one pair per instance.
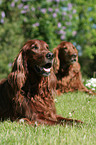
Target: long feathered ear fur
{"points": [[17, 76], [56, 61], [18, 63]]}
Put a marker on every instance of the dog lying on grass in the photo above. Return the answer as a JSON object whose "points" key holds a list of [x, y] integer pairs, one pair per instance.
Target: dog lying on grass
{"points": [[25, 93]]}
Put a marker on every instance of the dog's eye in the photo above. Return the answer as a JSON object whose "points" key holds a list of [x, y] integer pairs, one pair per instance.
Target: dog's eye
{"points": [[47, 47], [35, 47], [65, 48]]}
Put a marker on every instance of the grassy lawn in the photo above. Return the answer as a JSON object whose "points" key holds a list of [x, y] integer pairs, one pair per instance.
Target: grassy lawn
{"points": [[74, 105]]}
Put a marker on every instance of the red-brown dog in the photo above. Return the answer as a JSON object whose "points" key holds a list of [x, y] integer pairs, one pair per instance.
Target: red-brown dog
{"points": [[67, 69], [25, 93]]}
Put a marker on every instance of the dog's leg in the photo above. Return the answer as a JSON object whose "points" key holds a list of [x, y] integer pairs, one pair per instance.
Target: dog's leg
{"points": [[61, 120]]}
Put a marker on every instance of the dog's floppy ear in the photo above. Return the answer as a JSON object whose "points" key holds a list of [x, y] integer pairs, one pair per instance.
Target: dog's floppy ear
{"points": [[56, 61], [17, 76], [18, 64]]}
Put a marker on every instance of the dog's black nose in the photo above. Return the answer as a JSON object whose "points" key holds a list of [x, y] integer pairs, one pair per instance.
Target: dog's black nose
{"points": [[49, 55]]}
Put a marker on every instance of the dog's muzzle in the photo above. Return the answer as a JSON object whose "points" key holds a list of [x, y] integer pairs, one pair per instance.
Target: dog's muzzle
{"points": [[46, 68], [43, 70]]}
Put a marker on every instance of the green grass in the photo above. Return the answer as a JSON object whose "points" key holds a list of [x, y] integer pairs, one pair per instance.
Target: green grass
{"points": [[74, 105]]}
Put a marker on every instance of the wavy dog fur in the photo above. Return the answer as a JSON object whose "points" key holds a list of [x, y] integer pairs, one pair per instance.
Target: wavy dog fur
{"points": [[25, 93], [67, 69]]}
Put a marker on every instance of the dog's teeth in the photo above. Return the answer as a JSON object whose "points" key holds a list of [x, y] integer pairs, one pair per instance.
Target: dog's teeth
{"points": [[47, 70]]}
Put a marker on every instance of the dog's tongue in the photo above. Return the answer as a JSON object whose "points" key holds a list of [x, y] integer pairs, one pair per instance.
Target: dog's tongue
{"points": [[42, 70], [46, 70]]}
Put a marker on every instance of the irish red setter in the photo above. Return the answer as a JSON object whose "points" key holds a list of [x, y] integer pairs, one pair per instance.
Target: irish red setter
{"points": [[67, 69], [26, 93]]}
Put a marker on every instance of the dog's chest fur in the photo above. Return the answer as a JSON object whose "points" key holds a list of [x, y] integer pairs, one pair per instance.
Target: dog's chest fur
{"points": [[37, 98]]}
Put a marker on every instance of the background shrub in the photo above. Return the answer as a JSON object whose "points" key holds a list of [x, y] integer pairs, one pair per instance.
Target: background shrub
{"points": [[52, 21]]}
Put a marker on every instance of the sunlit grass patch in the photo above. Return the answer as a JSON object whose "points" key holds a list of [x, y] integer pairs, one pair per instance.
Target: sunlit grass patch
{"points": [[72, 105]]}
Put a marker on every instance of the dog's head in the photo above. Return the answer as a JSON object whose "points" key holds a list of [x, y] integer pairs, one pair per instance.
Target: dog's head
{"points": [[65, 54], [37, 57], [68, 52]]}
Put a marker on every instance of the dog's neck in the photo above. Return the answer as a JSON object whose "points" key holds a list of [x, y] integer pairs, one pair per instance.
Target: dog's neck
{"points": [[64, 67], [36, 84]]}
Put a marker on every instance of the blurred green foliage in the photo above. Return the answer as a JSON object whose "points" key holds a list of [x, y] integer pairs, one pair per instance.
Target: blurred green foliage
{"points": [[86, 34], [52, 21]]}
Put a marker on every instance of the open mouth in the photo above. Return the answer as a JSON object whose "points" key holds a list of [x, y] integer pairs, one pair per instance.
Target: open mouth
{"points": [[43, 70]]}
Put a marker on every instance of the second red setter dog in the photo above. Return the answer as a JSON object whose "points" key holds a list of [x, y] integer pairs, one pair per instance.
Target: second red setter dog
{"points": [[25, 93], [67, 69]]}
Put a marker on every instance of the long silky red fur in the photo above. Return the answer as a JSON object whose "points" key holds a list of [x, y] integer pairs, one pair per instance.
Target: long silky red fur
{"points": [[26, 94], [68, 75]]}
